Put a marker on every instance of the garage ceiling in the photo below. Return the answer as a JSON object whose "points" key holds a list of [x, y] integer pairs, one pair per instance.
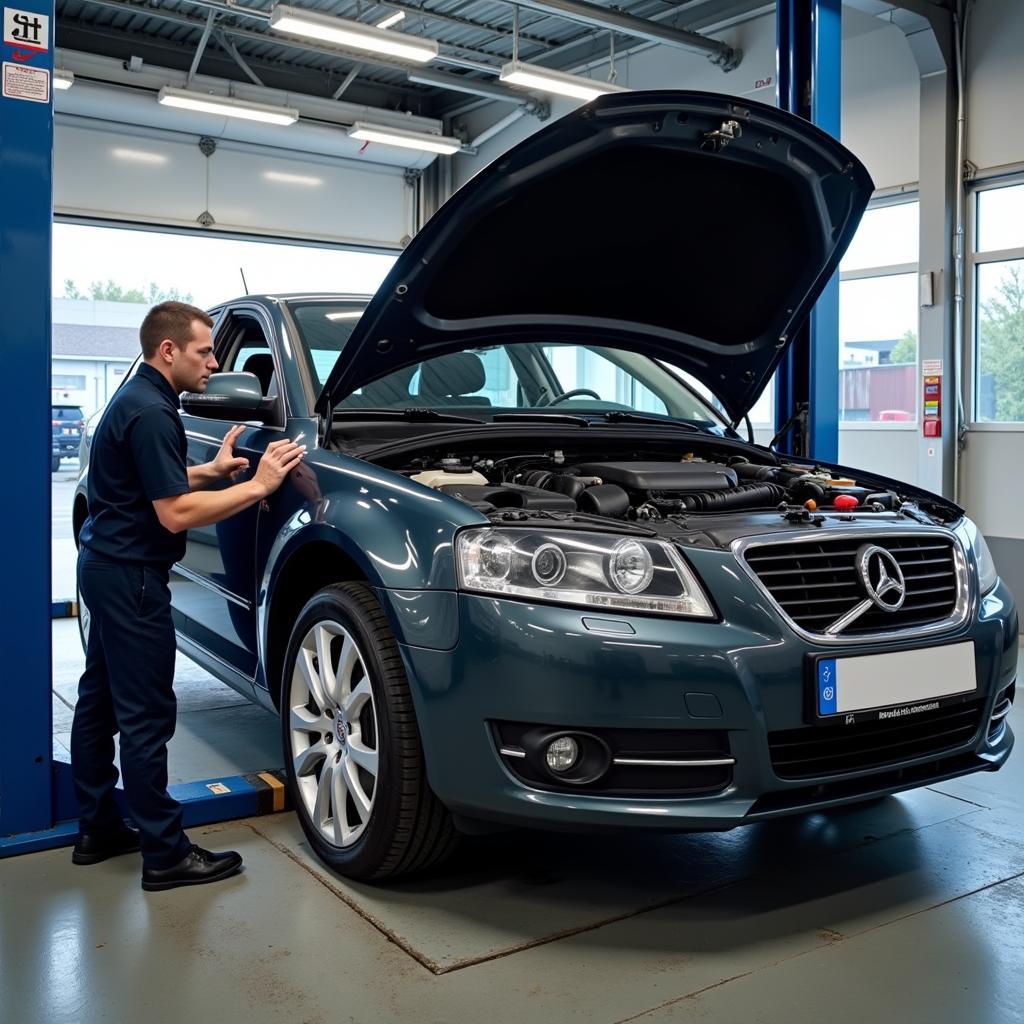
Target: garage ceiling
{"points": [[475, 36]]}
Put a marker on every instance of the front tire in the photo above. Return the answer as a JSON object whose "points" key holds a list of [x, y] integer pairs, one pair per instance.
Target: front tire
{"points": [[352, 747]]}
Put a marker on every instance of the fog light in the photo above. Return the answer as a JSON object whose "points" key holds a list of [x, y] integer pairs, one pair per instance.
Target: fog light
{"points": [[562, 754]]}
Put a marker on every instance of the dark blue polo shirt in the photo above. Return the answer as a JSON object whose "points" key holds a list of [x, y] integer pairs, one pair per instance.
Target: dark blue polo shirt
{"points": [[137, 455]]}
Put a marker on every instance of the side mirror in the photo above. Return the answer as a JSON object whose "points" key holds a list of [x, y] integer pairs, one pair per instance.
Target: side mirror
{"points": [[230, 396]]}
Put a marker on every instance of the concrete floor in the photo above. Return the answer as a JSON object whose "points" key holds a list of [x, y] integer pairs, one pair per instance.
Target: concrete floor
{"points": [[910, 909]]}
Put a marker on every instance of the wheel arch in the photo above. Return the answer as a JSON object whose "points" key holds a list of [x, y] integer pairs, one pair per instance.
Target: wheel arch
{"points": [[309, 564]]}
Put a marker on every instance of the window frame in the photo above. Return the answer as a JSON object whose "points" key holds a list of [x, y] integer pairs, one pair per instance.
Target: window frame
{"points": [[900, 198], [973, 259]]}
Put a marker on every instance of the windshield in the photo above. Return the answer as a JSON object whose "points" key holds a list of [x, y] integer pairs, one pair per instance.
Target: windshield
{"points": [[516, 377], [325, 328], [582, 379]]}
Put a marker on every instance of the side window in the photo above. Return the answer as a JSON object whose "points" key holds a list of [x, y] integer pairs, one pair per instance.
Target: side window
{"points": [[242, 346]]}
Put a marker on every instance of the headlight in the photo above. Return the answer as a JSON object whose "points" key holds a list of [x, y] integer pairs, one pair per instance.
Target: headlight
{"points": [[597, 570], [988, 575]]}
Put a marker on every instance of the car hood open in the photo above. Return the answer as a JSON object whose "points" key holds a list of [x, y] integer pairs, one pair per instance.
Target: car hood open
{"points": [[692, 227]]}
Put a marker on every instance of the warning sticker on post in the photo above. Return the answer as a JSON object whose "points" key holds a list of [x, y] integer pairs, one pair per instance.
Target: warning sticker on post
{"points": [[26, 83]]}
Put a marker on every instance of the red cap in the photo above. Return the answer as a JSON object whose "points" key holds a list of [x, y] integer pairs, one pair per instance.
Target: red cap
{"points": [[846, 502]]}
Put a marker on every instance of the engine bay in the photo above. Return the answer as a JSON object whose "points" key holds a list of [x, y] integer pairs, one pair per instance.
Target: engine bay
{"points": [[646, 485]]}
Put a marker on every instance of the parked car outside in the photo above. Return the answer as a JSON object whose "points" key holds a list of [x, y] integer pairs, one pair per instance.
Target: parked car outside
{"points": [[526, 574], [67, 423]]}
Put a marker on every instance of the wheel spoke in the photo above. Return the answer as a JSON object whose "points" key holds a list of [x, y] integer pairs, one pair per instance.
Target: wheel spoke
{"points": [[305, 761], [355, 787], [366, 758], [357, 698], [310, 677], [301, 719], [339, 792], [324, 794], [328, 678], [347, 663]]}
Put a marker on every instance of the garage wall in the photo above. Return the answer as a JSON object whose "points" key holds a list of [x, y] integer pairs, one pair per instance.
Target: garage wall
{"points": [[119, 173]]}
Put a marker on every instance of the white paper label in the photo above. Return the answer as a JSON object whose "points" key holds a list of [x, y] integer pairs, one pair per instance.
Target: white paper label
{"points": [[26, 83]]}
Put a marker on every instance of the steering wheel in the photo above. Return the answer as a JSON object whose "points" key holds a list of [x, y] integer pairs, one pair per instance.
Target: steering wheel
{"points": [[571, 394]]}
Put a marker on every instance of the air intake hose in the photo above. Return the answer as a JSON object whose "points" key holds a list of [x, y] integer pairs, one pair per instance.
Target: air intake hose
{"points": [[744, 496]]}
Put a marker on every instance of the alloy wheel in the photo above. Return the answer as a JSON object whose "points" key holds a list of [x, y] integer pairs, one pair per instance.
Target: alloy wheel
{"points": [[332, 723]]}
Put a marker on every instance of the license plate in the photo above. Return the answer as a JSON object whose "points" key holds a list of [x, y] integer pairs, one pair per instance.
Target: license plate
{"points": [[67, 430], [894, 684]]}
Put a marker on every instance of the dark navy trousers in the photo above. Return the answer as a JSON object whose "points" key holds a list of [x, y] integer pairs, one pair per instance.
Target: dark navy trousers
{"points": [[127, 688]]}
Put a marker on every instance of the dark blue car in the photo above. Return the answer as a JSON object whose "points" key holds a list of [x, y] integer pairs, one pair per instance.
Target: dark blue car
{"points": [[530, 573]]}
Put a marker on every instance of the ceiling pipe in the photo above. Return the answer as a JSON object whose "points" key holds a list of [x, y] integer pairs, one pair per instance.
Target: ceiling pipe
{"points": [[720, 54], [499, 126]]}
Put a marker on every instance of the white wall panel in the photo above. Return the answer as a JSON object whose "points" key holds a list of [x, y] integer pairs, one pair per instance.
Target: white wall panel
{"points": [[888, 452], [995, 83], [881, 100], [992, 485], [160, 178]]}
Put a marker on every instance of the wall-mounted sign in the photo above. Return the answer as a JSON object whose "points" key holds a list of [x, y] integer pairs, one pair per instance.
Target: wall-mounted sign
{"points": [[26, 29]]}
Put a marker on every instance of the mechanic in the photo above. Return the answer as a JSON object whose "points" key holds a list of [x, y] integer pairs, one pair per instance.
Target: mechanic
{"points": [[142, 500]]}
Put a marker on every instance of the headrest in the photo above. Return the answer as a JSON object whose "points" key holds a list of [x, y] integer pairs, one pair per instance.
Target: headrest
{"points": [[461, 373], [261, 364]]}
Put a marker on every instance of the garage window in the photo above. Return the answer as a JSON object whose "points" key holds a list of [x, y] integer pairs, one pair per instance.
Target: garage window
{"points": [[998, 304], [878, 316]]}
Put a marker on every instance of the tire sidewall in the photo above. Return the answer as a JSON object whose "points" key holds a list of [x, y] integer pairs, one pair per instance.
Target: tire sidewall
{"points": [[338, 604]]}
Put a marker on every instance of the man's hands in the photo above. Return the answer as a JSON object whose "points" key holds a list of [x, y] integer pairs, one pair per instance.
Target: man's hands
{"points": [[227, 463], [280, 458]]}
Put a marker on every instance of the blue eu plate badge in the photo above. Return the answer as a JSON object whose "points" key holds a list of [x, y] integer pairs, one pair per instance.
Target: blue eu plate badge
{"points": [[827, 698]]}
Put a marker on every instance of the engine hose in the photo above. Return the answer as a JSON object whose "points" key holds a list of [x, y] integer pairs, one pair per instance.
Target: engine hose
{"points": [[743, 496]]}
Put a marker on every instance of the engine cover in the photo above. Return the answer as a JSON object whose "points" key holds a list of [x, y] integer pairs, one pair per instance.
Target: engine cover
{"points": [[662, 476]]}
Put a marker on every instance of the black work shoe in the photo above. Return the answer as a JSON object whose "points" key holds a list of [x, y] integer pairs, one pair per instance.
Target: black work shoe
{"points": [[93, 847], [199, 867]]}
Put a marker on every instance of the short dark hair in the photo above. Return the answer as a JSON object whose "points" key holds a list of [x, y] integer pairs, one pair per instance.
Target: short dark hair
{"points": [[172, 320]]}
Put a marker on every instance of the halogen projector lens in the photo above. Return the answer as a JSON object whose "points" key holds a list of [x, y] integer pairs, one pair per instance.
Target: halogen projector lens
{"points": [[548, 565], [494, 557], [562, 754], [630, 567]]}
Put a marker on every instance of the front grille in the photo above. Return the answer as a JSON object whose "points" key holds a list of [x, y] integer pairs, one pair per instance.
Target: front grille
{"points": [[816, 582], [818, 751]]}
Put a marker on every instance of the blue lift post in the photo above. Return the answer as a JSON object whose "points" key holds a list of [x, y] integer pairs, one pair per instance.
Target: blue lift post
{"points": [[809, 83], [26, 159], [37, 808]]}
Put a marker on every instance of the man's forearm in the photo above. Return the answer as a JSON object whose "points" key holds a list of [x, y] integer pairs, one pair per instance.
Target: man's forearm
{"points": [[203, 508], [201, 476]]}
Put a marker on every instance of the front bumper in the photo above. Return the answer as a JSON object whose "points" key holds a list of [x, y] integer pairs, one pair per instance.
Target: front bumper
{"points": [[517, 662]]}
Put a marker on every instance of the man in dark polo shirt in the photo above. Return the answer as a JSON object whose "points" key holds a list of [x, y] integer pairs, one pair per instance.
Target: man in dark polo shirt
{"points": [[142, 500]]}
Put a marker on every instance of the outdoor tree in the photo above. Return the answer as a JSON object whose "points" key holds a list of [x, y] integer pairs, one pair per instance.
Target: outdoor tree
{"points": [[1001, 343], [905, 350], [111, 291]]}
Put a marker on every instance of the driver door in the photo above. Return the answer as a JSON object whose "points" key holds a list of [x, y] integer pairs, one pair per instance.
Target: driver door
{"points": [[214, 586]]}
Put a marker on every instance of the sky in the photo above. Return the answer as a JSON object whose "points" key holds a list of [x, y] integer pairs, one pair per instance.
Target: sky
{"points": [[207, 267]]}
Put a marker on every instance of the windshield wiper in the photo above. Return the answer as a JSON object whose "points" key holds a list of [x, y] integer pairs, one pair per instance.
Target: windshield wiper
{"points": [[412, 415], [621, 416], [542, 417]]}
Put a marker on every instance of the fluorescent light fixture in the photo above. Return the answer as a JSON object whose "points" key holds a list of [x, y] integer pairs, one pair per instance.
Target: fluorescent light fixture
{"points": [[353, 34], [63, 79], [404, 138], [391, 19], [515, 72], [139, 156], [227, 106], [348, 314], [293, 179]]}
